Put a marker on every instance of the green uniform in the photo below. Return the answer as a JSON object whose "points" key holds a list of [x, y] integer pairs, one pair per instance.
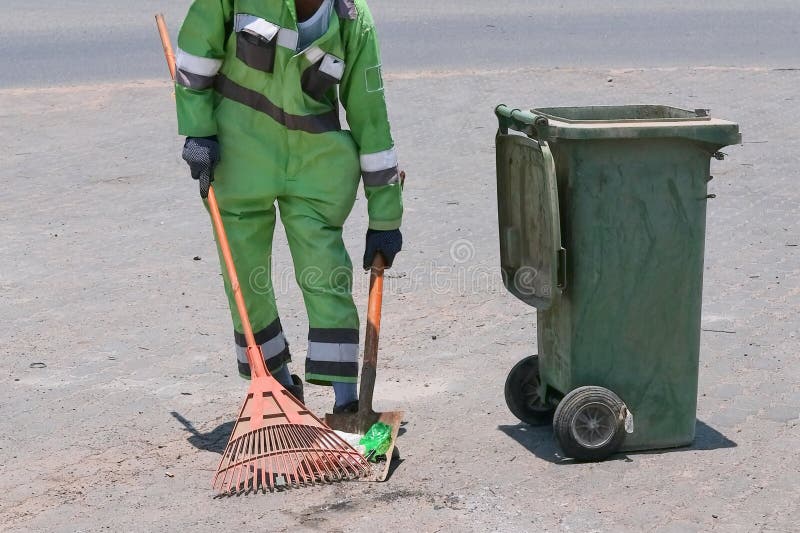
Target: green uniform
{"points": [[275, 111]]}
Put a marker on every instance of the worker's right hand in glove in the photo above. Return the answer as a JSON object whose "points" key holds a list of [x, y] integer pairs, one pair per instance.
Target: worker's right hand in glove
{"points": [[202, 155]]}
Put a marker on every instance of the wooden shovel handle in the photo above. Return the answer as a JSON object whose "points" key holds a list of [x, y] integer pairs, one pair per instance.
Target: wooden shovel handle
{"points": [[368, 370]]}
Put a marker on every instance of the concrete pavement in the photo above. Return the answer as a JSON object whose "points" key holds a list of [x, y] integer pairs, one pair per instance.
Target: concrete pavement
{"points": [[120, 426]]}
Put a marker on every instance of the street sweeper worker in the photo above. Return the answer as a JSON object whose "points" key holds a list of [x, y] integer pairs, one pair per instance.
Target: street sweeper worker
{"points": [[258, 88]]}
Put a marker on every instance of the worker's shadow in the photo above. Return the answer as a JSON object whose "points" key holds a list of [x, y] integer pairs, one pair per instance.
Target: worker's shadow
{"points": [[213, 441], [541, 442]]}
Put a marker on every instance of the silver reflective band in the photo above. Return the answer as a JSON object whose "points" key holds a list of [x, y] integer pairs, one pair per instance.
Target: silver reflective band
{"points": [[332, 66], [333, 353], [314, 54], [378, 161], [270, 349], [203, 66], [288, 39], [255, 25]]}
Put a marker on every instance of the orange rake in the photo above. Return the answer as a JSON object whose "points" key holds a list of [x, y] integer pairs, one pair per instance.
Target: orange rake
{"points": [[277, 443]]}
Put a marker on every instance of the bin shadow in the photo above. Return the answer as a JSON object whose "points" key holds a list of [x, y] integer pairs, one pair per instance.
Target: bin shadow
{"points": [[213, 441], [541, 442]]}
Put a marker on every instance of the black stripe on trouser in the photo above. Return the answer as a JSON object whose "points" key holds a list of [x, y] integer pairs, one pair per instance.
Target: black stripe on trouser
{"points": [[336, 335], [323, 123], [332, 368], [388, 176], [197, 82]]}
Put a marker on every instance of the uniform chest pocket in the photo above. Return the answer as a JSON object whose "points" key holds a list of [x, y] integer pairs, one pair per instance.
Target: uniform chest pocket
{"points": [[256, 42], [326, 71]]}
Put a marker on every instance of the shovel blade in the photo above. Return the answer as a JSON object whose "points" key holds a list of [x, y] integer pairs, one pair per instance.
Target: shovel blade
{"points": [[359, 423]]}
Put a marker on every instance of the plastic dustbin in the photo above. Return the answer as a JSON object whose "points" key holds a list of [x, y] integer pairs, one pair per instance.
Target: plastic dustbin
{"points": [[602, 214]]}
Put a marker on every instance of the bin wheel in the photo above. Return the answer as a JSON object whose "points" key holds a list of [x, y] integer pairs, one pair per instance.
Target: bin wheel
{"points": [[589, 423], [523, 393]]}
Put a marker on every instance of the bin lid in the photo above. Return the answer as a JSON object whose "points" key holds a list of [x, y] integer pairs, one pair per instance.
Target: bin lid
{"points": [[531, 255], [635, 122]]}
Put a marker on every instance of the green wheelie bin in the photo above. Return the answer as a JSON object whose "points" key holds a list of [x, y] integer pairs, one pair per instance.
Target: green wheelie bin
{"points": [[602, 214]]}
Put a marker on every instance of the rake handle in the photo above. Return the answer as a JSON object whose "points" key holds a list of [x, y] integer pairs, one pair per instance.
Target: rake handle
{"points": [[166, 43], [254, 356], [368, 370]]}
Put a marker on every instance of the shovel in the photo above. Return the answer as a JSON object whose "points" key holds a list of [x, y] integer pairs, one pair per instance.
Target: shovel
{"points": [[363, 419]]}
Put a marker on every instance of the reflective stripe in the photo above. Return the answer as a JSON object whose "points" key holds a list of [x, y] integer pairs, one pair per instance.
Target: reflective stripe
{"points": [[332, 66], [323, 372], [193, 81], [314, 54], [256, 25], [271, 348], [323, 123], [378, 161], [202, 66], [241, 20], [333, 335], [334, 353], [288, 39], [241, 354], [381, 177]]}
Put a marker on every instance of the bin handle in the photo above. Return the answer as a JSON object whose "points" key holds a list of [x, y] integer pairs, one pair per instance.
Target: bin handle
{"points": [[531, 124]]}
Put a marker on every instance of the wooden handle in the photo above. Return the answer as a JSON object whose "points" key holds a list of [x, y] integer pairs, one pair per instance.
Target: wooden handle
{"points": [[167, 44], [368, 370]]}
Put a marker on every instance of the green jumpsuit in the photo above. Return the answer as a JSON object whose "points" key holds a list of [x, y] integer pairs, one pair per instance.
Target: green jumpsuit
{"points": [[275, 112]]}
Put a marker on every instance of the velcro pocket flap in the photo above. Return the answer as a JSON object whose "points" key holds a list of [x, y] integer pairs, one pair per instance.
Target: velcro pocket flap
{"points": [[332, 66], [256, 26]]}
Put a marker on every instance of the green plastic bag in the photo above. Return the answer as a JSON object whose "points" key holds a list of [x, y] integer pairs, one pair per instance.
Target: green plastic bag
{"points": [[377, 440]]}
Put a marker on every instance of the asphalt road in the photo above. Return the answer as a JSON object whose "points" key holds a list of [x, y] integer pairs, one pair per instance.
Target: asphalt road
{"points": [[77, 41], [117, 379]]}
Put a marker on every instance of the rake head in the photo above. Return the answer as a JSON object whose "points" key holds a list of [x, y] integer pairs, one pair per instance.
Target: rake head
{"points": [[278, 444]]}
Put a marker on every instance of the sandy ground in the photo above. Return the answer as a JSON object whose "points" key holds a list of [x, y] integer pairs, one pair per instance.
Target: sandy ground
{"points": [[119, 384]]}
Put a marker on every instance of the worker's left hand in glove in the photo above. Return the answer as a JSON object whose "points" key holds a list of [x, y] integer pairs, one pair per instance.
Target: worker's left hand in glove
{"points": [[202, 155], [388, 243]]}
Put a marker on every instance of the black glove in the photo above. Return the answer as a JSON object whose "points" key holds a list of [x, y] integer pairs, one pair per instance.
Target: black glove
{"points": [[388, 243], [202, 154]]}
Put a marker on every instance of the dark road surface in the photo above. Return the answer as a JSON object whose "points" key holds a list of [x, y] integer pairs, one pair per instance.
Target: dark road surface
{"points": [[75, 41]]}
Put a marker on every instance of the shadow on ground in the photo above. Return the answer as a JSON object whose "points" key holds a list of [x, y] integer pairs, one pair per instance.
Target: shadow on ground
{"points": [[540, 442], [213, 441]]}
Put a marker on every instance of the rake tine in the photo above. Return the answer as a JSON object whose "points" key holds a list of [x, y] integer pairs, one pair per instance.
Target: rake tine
{"points": [[244, 470], [282, 467], [291, 457], [262, 441], [271, 459], [251, 455], [240, 462], [332, 441], [304, 467], [330, 444], [229, 454], [331, 469]]}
